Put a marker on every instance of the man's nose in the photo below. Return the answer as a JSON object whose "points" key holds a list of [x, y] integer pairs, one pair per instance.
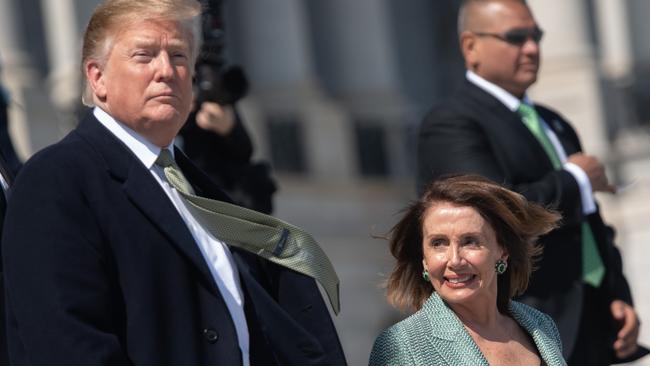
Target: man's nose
{"points": [[164, 66], [530, 46]]}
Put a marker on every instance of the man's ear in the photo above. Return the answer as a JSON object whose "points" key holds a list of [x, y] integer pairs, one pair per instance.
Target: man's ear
{"points": [[95, 75], [469, 49]]}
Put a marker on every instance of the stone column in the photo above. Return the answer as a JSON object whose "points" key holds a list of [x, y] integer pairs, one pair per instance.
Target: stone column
{"points": [[615, 47], [276, 51], [64, 50], [14, 58], [357, 57], [569, 80], [18, 74]]}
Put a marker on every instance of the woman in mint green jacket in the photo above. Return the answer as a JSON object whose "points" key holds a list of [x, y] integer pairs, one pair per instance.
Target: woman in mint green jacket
{"points": [[463, 251]]}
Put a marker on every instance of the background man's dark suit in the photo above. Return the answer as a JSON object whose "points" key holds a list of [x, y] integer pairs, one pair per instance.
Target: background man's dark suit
{"points": [[96, 254], [476, 133], [227, 159]]}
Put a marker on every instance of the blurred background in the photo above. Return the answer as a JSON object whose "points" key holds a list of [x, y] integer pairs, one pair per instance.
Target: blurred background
{"points": [[338, 88]]}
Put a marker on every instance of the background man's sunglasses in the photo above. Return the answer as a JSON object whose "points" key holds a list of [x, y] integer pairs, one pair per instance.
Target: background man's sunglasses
{"points": [[516, 37]]}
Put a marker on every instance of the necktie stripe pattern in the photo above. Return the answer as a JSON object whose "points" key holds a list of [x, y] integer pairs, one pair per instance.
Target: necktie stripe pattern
{"points": [[263, 235], [593, 269]]}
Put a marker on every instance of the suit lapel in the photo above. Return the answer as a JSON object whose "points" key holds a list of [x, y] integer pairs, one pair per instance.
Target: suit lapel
{"points": [[448, 336], [503, 122], [563, 132], [288, 340], [145, 193]]}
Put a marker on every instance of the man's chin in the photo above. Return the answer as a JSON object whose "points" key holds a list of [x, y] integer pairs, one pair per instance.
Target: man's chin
{"points": [[166, 114]]}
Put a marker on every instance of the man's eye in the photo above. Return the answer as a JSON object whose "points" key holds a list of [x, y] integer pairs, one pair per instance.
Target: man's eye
{"points": [[142, 55]]}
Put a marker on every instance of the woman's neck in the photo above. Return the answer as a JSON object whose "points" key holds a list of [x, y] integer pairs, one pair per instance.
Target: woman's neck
{"points": [[479, 316]]}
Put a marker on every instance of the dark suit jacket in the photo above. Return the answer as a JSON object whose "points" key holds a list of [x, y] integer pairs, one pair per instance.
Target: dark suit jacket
{"points": [[8, 176], [101, 270], [475, 133]]}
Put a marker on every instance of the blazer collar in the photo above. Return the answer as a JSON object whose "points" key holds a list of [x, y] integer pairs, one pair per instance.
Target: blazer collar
{"points": [[448, 333], [145, 193], [534, 325]]}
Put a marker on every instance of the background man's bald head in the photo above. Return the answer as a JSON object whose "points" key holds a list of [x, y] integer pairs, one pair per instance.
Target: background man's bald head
{"points": [[474, 14]]}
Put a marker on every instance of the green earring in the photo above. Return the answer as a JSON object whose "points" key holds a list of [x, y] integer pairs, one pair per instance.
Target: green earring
{"points": [[425, 275], [501, 266]]}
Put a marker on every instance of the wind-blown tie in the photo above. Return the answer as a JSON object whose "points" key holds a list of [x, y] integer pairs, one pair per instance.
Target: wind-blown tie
{"points": [[266, 236]]}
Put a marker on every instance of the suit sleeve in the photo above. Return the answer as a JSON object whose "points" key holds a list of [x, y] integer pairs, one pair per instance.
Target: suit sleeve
{"points": [[449, 143], [60, 288], [615, 283], [388, 350]]}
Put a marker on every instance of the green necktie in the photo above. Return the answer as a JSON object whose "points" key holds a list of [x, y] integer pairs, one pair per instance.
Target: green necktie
{"points": [[263, 235], [593, 269]]}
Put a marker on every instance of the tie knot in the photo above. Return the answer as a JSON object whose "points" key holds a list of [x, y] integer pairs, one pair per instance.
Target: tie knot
{"points": [[526, 111], [165, 158]]}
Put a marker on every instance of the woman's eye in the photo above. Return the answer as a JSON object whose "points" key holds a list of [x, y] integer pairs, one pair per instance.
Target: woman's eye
{"points": [[471, 241]]}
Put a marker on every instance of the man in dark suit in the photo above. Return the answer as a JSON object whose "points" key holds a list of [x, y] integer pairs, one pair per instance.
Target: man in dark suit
{"points": [[106, 264], [487, 128]]}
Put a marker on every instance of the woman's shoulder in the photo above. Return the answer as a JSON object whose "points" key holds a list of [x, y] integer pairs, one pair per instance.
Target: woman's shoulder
{"points": [[394, 345]]}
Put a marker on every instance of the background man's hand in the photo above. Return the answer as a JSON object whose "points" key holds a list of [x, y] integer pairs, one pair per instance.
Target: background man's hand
{"points": [[626, 338], [216, 118], [595, 170]]}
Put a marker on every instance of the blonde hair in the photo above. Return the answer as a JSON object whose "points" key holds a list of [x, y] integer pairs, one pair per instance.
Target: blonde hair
{"points": [[112, 15]]}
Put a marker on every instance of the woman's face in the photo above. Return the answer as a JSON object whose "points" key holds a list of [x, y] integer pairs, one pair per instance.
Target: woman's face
{"points": [[460, 252]]}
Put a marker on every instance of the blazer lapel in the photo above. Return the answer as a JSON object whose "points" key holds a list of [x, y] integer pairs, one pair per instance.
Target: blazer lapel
{"points": [[145, 193], [504, 122], [448, 337], [534, 325]]}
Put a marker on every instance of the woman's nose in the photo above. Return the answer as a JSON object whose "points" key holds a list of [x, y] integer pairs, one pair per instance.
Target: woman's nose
{"points": [[454, 256]]}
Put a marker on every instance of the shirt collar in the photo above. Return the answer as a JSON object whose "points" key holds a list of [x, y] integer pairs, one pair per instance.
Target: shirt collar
{"points": [[143, 149], [509, 100]]}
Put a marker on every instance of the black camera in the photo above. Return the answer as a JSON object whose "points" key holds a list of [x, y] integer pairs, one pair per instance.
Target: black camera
{"points": [[215, 81]]}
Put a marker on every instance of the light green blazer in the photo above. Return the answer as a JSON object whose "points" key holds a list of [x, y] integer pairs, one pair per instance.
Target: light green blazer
{"points": [[435, 336]]}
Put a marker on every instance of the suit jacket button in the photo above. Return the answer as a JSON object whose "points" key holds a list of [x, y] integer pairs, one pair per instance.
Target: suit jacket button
{"points": [[210, 335]]}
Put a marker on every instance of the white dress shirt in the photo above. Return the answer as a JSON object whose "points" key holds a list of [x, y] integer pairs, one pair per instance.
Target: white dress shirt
{"points": [[512, 103], [215, 252]]}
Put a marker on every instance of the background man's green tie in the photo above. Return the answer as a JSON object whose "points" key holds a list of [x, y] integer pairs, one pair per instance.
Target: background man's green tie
{"points": [[264, 235], [593, 269]]}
